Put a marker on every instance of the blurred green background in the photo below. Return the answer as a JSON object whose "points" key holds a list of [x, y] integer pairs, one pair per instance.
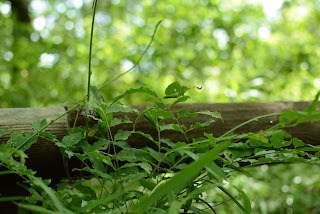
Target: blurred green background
{"points": [[237, 50]]}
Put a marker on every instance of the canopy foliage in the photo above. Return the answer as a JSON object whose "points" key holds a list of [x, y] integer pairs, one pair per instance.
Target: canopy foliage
{"points": [[237, 50]]}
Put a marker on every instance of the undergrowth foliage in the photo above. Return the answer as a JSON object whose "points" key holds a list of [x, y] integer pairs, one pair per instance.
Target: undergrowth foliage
{"points": [[162, 177]]}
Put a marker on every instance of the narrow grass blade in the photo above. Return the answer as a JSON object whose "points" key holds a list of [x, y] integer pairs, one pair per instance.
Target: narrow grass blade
{"points": [[232, 198], [12, 198], [182, 179], [94, 203], [38, 209]]}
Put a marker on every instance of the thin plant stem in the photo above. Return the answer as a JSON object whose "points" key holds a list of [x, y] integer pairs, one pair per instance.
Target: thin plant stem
{"points": [[43, 128], [249, 121], [89, 70], [138, 61]]}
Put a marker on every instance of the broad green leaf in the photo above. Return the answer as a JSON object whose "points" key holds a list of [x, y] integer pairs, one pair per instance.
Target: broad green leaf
{"points": [[186, 113], [277, 140], [160, 105], [258, 137], [147, 136], [94, 172], [23, 141], [182, 179], [71, 140], [166, 127], [116, 121], [131, 91], [39, 125], [239, 153], [200, 125], [101, 144], [214, 114], [297, 143], [212, 139], [122, 135], [180, 100], [121, 108], [175, 207], [213, 169], [145, 166], [95, 203], [151, 119], [147, 184], [47, 135], [133, 155], [175, 90], [160, 113], [177, 128], [99, 155], [95, 96]]}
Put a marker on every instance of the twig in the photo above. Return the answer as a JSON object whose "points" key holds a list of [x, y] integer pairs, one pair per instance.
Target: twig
{"points": [[138, 61], [208, 205]]}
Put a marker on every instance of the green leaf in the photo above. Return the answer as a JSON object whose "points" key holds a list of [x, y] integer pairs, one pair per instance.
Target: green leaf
{"points": [[12, 198], [5, 172], [148, 136], [145, 166], [95, 96], [232, 198], [180, 100], [133, 155], [186, 113], [175, 90], [56, 202], [39, 125], [313, 106], [201, 189], [181, 179], [200, 125], [4, 132], [297, 143], [99, 155], [147, 184], [160, 105], [214, 114], [247, 203], [46, 134], [131, 91], [121, 108], [212, 139], [122, 135], [95, 203], [277, 140], [101, 144], [71, 140], [174, 207], [213, 169], [38, 209], [23, 141], [160, 113]]}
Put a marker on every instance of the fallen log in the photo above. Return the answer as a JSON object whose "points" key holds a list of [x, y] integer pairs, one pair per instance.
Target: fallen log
{"points": [[45, 157]]}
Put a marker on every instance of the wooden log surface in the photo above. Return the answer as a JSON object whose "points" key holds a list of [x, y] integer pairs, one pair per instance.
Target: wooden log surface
{"points": [[45, 157]]}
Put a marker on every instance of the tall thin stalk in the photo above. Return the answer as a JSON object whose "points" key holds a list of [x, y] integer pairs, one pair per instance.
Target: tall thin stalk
{"points": [[89, 70]]}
